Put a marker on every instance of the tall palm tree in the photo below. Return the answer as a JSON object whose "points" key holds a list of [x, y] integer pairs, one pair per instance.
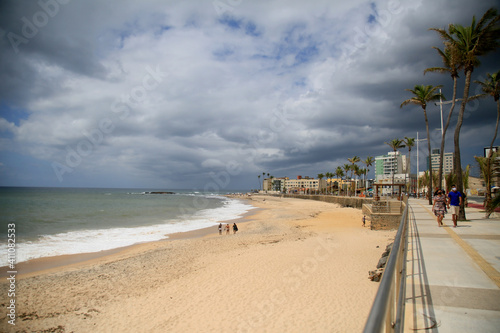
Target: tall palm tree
{"points": [[395, 144], [368, 162], [452, 63], [339, 173], [346, 168], [358, 172], [470, 42], [353, 161], [422, 96], [491, 87], [409, 143], [260, 184], [328, 175], [320, 176]]}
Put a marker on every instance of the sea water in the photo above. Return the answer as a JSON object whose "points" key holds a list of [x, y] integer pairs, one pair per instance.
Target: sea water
{"points": [[58, 221]]}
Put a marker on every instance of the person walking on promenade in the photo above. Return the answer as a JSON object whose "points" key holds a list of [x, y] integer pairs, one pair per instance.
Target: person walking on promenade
{"points": [[439, 206], [220, 228], [455, 201], [235, 228], [227, 229]]}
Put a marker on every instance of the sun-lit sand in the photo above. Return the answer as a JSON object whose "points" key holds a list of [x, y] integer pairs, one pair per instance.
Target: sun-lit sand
{"points": [[294, 266]]}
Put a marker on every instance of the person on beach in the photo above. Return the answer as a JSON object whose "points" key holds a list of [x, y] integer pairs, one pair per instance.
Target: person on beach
{"points": [[220, 228], [227, 229], [455, 200], [439, 206], [364, 220], [235, 228]]}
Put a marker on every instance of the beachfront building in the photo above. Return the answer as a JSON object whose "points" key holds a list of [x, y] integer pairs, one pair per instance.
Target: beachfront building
{"points": [[447, 161], [305, 185], [338, 184], [274, 184], [393, 165]]}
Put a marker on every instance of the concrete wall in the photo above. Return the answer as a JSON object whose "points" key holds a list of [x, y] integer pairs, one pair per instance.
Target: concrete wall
{"points": [[343, 201], [382, 221], [385, 221]]}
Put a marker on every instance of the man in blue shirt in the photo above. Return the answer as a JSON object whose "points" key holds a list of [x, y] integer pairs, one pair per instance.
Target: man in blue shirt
{"points": [[455, 201]]}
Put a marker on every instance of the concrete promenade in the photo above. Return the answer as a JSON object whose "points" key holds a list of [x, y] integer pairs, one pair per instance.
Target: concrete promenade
{"points": [[453, 274]]}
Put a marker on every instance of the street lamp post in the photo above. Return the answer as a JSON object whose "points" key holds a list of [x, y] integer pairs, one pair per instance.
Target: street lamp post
{"points": [[418, 187]]}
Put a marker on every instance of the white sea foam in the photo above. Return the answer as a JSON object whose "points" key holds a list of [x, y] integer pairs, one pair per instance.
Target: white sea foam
{"points": [[85, 241]]}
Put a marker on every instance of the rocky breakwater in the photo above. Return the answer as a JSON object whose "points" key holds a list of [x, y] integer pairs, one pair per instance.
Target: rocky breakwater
{"points": [[376, 275]]}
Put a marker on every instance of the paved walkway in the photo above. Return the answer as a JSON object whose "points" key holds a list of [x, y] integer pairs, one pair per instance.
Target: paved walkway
{"points": [[453, 274]]}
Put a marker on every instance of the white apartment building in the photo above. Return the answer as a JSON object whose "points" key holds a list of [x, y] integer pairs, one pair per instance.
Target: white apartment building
{"points": [[394, 163]]}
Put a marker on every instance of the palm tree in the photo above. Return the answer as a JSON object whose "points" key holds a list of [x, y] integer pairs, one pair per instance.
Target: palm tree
{"points": [[346, 168], [450, 179], [470, 42], [320, 176], [423, 180], [368, 162], [358, 172], [395, 144], [423, 95], [339, 173], [260, 184], [465, 176], [495, 173], [410, 143], [353, 161], [452, 64], [328, 176], [491, 86], [362, 172]]}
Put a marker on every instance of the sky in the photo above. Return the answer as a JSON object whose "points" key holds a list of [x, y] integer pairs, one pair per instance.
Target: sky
{"points": [[207, 95]]}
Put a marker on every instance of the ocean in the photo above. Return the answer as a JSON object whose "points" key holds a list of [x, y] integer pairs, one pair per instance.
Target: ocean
{"points": [[58, 221]]}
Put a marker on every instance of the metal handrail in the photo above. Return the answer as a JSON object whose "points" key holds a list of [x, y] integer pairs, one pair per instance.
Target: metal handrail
{"points": [[391, 292]]}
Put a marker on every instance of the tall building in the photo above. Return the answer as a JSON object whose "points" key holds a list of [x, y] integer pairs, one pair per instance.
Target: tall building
{"points": [[391, 164], [447, 161], [389, 168]]}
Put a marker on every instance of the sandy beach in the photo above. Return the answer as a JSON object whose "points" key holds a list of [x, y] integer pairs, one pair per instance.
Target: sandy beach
{"points": [[294, 266]]}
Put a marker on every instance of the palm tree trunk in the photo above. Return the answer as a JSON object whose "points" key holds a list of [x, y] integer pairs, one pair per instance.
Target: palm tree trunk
{"points": [[488, 164], [444, 131], [457, 165], [429, 184]]}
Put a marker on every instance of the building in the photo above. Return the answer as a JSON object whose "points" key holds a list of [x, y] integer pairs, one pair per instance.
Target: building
{"points": [[487, 150], [305, 185], [274, 184], [447, 161], [391, 164]]}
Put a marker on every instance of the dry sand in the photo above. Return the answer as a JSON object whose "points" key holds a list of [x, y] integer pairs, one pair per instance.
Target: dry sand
{"points": [[295, 266]]}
